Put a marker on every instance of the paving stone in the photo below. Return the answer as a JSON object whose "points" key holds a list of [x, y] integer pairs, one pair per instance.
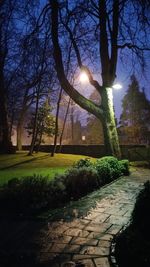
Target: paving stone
{"points": [[84, 241], [99, 209], [91, 216], [101, 262], [104, 243], [90, 250], [86, 263], [102, 217], [75, 232], [99, 228], [128, 213], [118, 219], [112, 211], [63, 239], [106, 237], [114, 229], [57, 248], [81, 225], [72, 249], [55, 233], [95, 235], [79, 257]]}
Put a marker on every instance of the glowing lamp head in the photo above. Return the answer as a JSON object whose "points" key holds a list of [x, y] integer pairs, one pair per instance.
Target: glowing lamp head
{"points": [[117, 86], [83, 77]]}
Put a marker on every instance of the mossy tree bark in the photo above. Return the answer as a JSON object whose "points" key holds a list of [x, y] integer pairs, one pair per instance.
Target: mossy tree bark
{"points": [[111, 140]]}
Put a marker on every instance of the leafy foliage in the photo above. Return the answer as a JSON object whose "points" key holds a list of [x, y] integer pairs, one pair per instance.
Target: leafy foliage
{"points": [[25, 195], [108, 168], [45, 123], [134, 119], [80, 182], [83, 163], [124, 166], [104, 171], [34, 193]]}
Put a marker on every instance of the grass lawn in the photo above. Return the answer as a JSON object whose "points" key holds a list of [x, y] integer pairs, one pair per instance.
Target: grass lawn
{"points": [[20, 165]]}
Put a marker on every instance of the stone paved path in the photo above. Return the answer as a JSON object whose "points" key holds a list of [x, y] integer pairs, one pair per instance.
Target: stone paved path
{"points": [[83, 241]]}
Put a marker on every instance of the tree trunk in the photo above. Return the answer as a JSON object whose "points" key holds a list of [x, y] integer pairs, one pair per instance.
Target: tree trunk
{"points": [[39, 143], [64, 124], [34, 134], [4, 124], [56, 123], [72, 125], [19, 135], [111, 140], [20, 128]]}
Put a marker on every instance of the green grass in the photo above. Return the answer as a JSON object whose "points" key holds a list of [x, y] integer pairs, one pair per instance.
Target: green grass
{"points": [[20, 165]]}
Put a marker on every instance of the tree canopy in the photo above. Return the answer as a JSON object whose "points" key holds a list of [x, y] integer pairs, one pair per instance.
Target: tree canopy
{"points": [[134, 119]]}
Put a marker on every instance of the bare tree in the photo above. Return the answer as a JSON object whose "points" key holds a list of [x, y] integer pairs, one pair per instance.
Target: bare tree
{"points": [[110, 31]]}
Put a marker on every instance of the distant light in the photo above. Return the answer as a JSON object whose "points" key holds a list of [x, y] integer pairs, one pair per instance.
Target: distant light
{"points": [[83, 137], [83, 77], [117, 86]]}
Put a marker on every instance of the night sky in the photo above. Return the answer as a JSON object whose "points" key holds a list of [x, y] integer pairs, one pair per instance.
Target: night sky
{"points": [[124, 71]]}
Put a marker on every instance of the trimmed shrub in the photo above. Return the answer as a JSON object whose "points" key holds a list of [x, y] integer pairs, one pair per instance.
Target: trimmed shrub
{"points": [[57, 190], [104, 171], [81, 181], [108, 168], [24, 195], [124, 167], [83, 163]]}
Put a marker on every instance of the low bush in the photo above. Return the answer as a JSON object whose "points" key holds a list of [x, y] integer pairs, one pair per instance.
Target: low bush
{"points": [[34, 193], [80, 182], [104, 171], [124, 167], [25, 195], [108, 168], [83, 163]]}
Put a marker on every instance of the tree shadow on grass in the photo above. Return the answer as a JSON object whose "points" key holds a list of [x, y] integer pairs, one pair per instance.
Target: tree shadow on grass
{"points": [[24, 162]]}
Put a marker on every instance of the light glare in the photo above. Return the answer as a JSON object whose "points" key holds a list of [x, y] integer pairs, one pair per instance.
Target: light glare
{"points": [[83, 77], [117, 86]]}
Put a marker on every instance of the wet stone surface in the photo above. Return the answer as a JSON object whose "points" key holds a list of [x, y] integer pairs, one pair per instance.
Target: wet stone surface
{"points": [[80, 242]]}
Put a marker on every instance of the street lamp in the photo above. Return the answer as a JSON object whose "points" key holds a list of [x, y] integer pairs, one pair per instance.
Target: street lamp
{"points": [[83, 137], [117, 86], [83, 77]]}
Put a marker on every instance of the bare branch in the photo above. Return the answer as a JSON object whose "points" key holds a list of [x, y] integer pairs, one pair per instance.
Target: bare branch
{"points": [[132, 46], [70, 90]]}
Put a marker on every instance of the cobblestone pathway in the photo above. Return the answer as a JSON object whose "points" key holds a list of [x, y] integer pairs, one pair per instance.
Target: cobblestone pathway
{"points": [[83, 241]]}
